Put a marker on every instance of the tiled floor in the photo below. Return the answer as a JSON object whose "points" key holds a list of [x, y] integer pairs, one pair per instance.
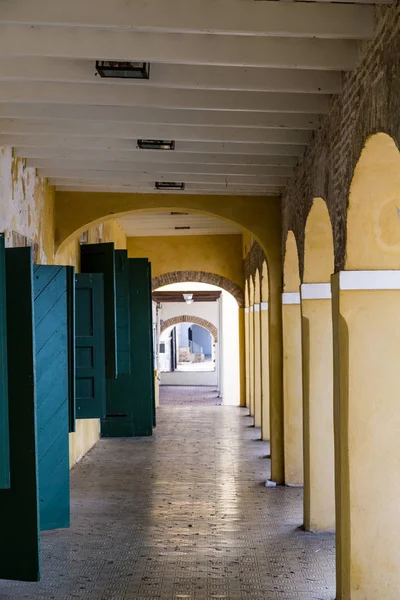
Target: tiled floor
{"points": [[182, 515], [189, 395]]}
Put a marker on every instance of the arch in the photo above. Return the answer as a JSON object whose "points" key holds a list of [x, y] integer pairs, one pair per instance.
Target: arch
{"points": [[373, 217], [246, 294], [318, 251], [264, 282], [202, 277], [291, 272], [190, 319]]}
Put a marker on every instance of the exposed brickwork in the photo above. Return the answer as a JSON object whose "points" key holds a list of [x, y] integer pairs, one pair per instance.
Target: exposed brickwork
{"points": [[191, 319], [202, 277], [369, 103], [253, 261]]}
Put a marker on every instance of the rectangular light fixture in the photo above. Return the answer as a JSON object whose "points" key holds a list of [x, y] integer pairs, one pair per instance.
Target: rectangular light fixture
{"points": [[156, 144], [169, 185], [123, 70]]}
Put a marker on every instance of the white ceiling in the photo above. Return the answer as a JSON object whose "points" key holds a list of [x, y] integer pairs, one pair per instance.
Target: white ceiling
{"points": [[164, 223], [239, 84]]}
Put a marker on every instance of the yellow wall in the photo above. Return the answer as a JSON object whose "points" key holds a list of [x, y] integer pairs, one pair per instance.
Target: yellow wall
{"points": [[27, 207], [373, 221], [220, 254], [318, 250], [265, 399], [257, 350]]}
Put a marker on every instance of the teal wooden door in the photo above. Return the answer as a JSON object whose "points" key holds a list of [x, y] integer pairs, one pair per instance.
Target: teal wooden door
{"points": [[100, 258], [4, 425], [119, 404], [90, 346], [19, 510], [152, 343], [141, 340], [71, 347], [52, 394]]}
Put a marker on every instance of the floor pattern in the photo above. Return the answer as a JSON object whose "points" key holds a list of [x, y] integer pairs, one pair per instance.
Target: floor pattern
{"points": [[182, 515], [189, 395]]}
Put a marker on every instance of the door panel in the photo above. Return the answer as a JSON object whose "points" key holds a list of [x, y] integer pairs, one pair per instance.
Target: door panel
{"points": [[153, 391], [52, 392], [99, 258], [71, 347], [4, 425], [141, 340], [20, 550], [90, 346], [119, 413]]}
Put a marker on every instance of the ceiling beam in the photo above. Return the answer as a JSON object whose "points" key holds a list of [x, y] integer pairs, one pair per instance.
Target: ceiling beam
{"points": [[238, 17], [126, 177], [198, 77], [159, 116], [129, 146], [117, 95], [167, 168], [152, 157], [225, 50], [163, 132], [95, 186]]}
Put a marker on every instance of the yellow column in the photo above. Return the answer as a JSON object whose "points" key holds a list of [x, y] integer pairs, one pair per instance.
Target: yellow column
{"points": [[265, 427], [251, 359], [367, 432], [292, 388], [319, 493], [247, 340], [257, 365], [242, 357]]}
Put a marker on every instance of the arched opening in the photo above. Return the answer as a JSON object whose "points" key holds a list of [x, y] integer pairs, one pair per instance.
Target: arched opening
{"points": [[292, 364], [201, 277], [373, 217], [317, 360], [251, 346], [247, 341], [221, 319]]}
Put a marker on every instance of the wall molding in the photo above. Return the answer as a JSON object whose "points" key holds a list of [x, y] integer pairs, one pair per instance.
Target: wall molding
{"points": [[291, 298], [369, 280], [264, 305], [315, 291]]}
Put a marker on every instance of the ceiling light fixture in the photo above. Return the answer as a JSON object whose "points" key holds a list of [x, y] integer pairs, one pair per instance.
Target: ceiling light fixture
{"points": [[156, 144], [169, 185], [123, 70], [188, 298]]}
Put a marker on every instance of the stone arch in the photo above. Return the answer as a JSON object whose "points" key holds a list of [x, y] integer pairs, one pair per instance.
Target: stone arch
{"points": [[373, 217], [318, 244], [190, 319], [291, 271], [202, 277], [257, 287]]}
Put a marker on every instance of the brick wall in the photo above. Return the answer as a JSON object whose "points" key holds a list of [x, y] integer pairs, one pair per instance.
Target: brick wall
{"points": [[369, 103]]}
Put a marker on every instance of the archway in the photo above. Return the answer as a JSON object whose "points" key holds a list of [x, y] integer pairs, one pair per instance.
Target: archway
{"points": [[366, 300], [190, 319], [76, 211], [200, 276], [292, 364], [247, 341], [317, 351]]}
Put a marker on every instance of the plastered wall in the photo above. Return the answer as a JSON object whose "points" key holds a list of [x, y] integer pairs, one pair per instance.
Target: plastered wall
{"points": [[27, 208]]}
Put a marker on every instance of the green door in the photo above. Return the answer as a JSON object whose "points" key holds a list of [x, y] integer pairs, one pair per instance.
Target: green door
{"points": [[99, 258], [19, 550], [90, 346], [52, 394], [4, 426], [119, 413], [71, 347], [141, 341], [130, 398]]}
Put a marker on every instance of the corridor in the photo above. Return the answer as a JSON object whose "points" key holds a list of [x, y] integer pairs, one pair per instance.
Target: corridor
{"points": [[182, 515]]}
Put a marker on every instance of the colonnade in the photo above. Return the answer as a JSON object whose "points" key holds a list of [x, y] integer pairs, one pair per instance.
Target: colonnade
{"points": [[341, 380]]}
